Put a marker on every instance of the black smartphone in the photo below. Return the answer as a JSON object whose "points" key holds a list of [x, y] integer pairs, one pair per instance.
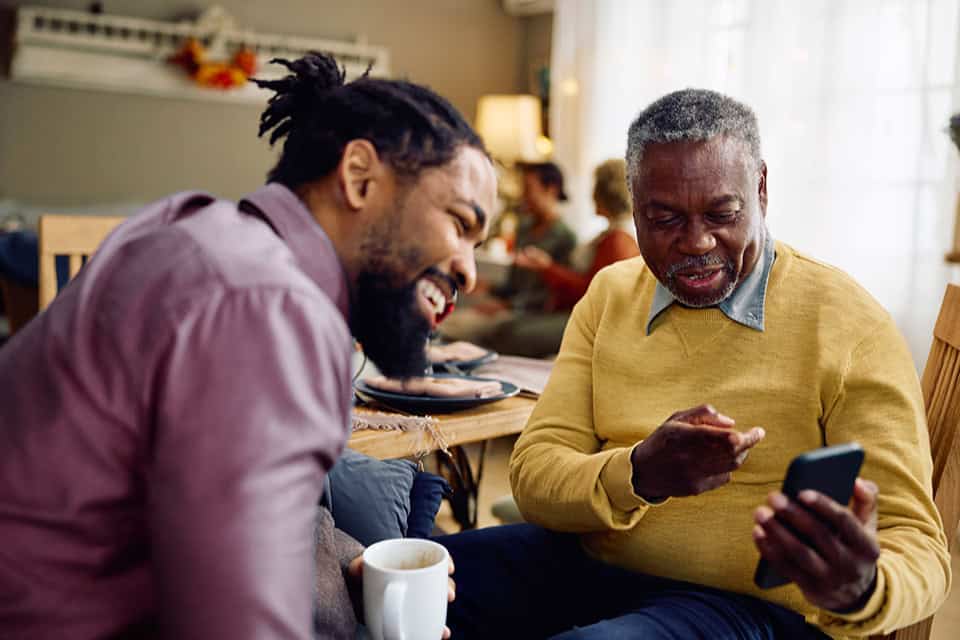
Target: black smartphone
{"points": [[829, 470]]}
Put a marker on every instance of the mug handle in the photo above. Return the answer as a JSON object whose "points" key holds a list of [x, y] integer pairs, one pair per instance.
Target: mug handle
{"points": [[392, 608]]}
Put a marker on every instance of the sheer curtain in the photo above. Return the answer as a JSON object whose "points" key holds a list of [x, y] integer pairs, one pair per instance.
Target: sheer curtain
{"points": [[852, 96]]}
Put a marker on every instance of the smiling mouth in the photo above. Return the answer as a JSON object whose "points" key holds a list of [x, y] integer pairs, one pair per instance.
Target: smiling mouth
{"points": [[704, 279], [436, 301]]}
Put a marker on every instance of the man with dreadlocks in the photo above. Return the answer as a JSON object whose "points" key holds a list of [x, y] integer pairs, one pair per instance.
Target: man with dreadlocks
{"points": [[166, 425]]}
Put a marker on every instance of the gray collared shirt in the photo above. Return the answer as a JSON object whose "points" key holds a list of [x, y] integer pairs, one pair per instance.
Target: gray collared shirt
{"points": [[745, 305]]}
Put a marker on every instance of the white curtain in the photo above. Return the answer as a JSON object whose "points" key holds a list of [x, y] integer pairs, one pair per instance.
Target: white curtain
{"points": [[852, 97]]}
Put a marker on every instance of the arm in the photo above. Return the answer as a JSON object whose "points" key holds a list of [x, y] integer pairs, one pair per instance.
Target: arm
{"points": [[252, 408], [569, 286], [560, 477], [878, 403], [563, 480]]}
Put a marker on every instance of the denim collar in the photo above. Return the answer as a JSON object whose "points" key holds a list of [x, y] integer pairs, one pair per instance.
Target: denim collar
{"points": [[745, 305]]}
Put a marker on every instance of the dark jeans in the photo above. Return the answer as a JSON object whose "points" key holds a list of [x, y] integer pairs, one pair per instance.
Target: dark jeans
{"points": [[522, 581]]}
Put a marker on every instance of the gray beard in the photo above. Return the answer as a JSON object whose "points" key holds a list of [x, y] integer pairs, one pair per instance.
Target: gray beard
{"points": [[670, 281]]}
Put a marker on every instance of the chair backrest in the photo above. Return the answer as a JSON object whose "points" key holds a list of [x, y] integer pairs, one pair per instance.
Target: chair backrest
{"points": [[941, 397], [74, 236]]}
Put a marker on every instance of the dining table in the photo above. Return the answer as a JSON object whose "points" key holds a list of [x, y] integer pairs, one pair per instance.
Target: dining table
{"points": [[398, 434], [478, 424]]}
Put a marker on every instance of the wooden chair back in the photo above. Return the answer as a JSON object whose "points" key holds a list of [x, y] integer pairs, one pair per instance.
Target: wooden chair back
{"points": [[941, 397], [74, 236]]}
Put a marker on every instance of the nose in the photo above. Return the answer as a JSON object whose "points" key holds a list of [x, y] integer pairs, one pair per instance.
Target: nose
{"points": [[697, 239], [464, 269]]}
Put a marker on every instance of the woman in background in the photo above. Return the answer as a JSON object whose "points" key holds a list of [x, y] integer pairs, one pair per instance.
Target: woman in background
{"points": [[539, 334]]}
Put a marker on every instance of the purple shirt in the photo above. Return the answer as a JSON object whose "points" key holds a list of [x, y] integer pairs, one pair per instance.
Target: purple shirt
{"points": [[166, 425]]}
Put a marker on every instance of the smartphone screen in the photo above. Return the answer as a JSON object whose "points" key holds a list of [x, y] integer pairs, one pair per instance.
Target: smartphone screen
{"points": [[829, 470]]}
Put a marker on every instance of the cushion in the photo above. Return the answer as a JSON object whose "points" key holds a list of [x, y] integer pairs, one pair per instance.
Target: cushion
{"points": [[425, 498], [370, 498]]}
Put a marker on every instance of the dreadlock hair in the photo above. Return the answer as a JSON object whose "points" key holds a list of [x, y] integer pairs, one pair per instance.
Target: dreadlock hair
{"points": [[317, 113]]}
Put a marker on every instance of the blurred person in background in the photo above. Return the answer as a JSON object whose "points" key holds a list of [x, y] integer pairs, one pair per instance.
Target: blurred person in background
{"points": [[540, 227], [539, 334]]}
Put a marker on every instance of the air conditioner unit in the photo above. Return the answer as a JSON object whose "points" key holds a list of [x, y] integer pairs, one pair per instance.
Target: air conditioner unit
{"points": [[58, 47], [527, 7]]}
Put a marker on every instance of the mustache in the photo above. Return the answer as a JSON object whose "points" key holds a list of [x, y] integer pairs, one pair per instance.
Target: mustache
{"points": [[697, 262], [436, 273]]}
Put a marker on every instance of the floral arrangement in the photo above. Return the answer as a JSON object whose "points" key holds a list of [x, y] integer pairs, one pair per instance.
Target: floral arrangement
{"points": [[218, 74]]}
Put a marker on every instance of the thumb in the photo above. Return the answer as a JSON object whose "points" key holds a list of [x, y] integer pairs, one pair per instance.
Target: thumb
{"points": [[864, 503]]}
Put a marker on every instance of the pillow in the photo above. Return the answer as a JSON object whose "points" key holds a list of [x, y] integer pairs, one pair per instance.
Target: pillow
{"points": [[370, 498], [425, 498]]}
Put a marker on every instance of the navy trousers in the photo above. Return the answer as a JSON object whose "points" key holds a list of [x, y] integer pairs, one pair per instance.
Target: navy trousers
{"points": [[522, 581]]}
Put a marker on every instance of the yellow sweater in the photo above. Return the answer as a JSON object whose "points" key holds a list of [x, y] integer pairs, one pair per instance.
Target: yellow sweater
{"points": [[830, 367]]}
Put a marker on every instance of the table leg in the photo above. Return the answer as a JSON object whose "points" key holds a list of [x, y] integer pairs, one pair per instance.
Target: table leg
{"points": [[455, 467]]}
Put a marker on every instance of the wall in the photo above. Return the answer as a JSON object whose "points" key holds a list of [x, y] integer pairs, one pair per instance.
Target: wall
{"points": [[537, 37], [67, 147]]}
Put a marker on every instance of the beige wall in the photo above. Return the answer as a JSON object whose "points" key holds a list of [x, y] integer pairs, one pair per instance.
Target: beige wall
{"points": [[66, 147], [537, 38]]}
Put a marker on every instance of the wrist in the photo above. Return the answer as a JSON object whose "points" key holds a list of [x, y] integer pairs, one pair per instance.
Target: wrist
{"points": [[864, 598], [637, 479]]}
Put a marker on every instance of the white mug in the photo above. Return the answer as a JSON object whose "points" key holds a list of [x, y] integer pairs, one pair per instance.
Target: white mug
{"points": [[405, 589]]}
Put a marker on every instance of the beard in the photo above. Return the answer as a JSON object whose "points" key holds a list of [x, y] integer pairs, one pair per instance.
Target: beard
{"points": [[709, 300], [387, 322], [385, 315]]}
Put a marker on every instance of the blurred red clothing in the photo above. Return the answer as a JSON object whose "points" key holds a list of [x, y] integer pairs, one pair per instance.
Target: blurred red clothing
{"points": [[567, 286]]}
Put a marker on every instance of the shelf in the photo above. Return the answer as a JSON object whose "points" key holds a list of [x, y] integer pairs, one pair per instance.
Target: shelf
{"points": [[77, 50]]}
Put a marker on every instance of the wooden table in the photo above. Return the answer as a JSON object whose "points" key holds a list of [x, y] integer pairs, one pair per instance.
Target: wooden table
{"points": [[485, 422]]}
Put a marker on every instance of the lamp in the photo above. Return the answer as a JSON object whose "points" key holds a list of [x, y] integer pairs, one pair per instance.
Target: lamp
{"points": [[510, 127]]}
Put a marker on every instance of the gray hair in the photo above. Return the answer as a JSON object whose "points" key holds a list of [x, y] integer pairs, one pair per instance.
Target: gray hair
{"points": [[695, 115]]}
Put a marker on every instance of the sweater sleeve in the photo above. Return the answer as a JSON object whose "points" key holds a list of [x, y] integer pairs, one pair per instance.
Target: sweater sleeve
{"points": [[879, 404], [561, 478]]}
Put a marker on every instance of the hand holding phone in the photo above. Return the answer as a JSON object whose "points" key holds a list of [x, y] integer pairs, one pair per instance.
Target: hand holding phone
{"points": [[813, 538], [830, 471]]}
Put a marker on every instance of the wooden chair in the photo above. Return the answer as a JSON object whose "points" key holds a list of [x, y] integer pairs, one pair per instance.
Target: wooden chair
{"points": [[941, 397], [74, 236]]}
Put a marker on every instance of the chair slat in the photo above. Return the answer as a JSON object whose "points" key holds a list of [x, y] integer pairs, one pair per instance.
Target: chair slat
{"points": [[73, 236], [76, 261]]}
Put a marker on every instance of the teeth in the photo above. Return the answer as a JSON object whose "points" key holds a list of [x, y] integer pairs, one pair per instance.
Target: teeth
{"points": [[434, 295]]}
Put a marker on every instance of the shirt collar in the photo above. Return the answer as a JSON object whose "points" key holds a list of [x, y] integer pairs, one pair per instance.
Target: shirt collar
{"points": [[747, 302], [306, 239]]}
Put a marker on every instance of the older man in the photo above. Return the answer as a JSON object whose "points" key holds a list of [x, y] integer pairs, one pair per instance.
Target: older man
{"points": [[655, 506], [166, 425]]}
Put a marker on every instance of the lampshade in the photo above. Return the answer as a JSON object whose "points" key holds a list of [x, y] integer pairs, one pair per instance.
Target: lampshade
{"points": [[510, 126]]}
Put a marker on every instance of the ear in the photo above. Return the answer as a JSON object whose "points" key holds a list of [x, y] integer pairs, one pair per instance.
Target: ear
{"points": [[762, 188], [359, 169]]}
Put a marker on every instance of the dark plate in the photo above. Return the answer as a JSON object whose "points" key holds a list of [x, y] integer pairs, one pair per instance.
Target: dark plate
{"points": [[428, 404], [464, 365]]}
